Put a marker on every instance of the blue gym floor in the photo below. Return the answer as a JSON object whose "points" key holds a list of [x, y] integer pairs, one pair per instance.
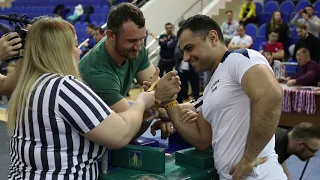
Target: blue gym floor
{"points": [[294, 164]]}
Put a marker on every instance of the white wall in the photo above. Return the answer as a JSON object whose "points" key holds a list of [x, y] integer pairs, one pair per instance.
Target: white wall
{"points": [[159, 12]]}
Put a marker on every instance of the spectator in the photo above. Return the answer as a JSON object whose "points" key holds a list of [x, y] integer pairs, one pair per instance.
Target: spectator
{"points": [[98, 33], [277, 66], [86, 47], [242, 40], [167, 43], [273, 45], [307, 73], [277, 23], [307, 40], [309, 19], [248, 13], [303, 141], [187, 74], [229, 27]]}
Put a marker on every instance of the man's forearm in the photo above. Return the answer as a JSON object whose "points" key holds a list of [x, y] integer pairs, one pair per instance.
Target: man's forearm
{"points": [[265, 115], [189, 132]]}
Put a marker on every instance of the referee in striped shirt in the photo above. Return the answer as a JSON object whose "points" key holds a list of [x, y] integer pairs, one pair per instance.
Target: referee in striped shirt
{"points": [[58, 126]]}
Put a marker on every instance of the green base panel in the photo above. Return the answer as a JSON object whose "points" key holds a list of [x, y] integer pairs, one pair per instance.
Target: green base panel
{"points": [[192, 157], [139, 158]]}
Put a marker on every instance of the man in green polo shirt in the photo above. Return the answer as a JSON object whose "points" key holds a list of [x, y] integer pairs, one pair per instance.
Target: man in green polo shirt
{"points": [[112, 64]]}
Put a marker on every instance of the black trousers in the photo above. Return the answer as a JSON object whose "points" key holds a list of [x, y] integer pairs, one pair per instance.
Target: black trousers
{"points": [[193, 78], [165, 66]]}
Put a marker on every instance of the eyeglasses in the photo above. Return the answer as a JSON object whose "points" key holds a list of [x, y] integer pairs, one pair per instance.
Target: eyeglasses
{"points": [[310, 149]]}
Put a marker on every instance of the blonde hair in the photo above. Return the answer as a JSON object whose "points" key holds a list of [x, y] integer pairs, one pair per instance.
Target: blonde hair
{"points": [[275, 25], [48, 49]]}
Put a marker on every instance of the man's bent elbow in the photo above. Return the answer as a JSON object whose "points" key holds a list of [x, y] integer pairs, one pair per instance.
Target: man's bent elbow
{"points": [[203, 145]]}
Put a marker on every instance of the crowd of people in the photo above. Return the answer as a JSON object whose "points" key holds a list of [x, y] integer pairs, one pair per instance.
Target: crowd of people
{"points": [[65, 112]]}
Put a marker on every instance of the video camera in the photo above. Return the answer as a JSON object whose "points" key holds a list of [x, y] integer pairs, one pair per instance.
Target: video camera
{"points": [[19, 24]]}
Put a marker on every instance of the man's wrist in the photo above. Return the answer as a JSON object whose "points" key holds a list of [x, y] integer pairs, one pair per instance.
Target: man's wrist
{"points": [[248, 157]]}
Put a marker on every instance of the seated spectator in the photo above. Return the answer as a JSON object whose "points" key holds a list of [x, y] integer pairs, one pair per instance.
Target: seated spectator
{"points": [[247, 13], [273, 45], [86, 47], [229, 27], [303, 141], [277, 66], [308, 71], [308, 41], [242, 40], [98, 33], [277, 23], [309, 19]]}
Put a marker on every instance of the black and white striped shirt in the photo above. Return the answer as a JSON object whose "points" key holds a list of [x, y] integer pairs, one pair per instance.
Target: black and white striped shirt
{"points": [[47, 141]]}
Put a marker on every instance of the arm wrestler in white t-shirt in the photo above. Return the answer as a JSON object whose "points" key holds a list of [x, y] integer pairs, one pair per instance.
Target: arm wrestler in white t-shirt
{"points": [[241, 105]]}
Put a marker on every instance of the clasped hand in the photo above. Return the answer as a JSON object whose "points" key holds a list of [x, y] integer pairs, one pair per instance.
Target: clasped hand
{"points": [[166, 88]]}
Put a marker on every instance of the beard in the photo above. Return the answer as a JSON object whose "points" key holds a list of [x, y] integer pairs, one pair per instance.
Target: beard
{"points": [[128, 54]]}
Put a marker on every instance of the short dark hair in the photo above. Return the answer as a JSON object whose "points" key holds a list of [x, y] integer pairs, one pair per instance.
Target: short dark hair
{"points": [[99, 29], [305, 131], [168, 24], [91, 26], [201, 25], [275, 30], [181, 22], [229, 11], [123, 13], [304, 50]]}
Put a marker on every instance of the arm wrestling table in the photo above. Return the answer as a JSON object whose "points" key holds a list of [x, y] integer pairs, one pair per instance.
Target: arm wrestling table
{"points": [[293, 118], [135, 162]]}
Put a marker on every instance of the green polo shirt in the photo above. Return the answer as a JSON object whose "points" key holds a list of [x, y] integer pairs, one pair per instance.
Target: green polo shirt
{"points": [[108, 80]]}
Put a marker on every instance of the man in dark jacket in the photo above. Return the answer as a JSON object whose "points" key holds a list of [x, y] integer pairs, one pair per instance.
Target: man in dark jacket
{"points": [[167, 42], [309, 41]]}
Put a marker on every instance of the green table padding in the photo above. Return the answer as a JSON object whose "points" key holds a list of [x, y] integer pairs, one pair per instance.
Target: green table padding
{"points": [[192, 157], [138, 157], [173, 172]]}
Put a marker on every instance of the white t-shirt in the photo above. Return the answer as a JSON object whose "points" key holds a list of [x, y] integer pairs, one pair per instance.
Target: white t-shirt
{"points": [[227, 108], [245, 40]]}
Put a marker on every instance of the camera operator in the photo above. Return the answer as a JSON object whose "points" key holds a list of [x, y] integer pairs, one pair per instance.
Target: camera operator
{"points": [[9, 46], [309, 19]]}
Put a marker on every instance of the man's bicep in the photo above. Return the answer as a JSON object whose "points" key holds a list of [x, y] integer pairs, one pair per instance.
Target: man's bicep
{"points": [[258, 80], [146, 74]]}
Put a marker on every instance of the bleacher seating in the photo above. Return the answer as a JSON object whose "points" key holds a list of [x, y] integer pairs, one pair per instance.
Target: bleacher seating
{"points": [[271, 7], [34, 8], [286, 7], [301, 5]]}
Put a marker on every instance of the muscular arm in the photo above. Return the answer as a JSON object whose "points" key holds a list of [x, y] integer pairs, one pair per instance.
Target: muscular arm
{"points": [[265, 96], [122, 106], [146, 75], [199, 134]]}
